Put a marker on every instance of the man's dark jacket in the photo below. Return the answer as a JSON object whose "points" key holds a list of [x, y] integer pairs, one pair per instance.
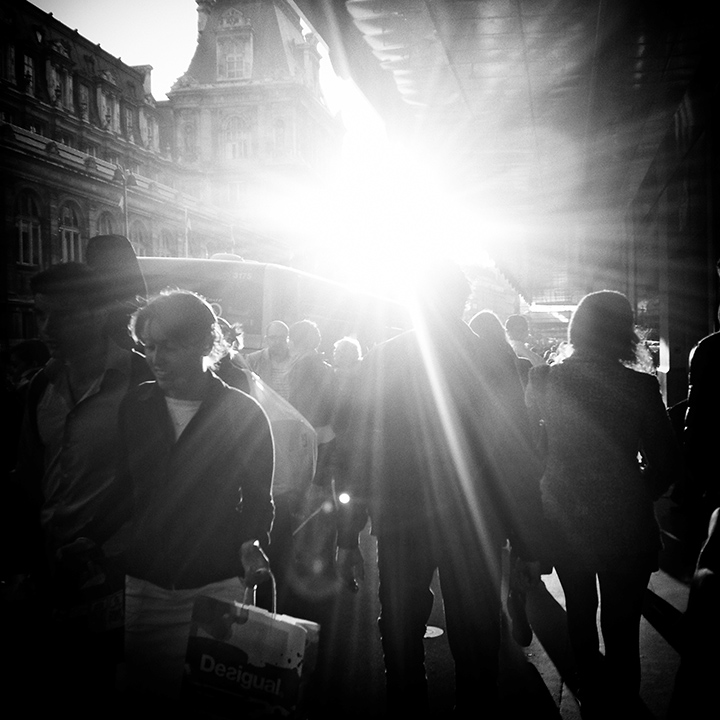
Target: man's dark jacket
{"points": [[194, 501], [443, 440]]}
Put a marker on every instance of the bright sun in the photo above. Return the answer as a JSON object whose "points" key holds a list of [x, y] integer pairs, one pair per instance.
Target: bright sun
{"points": [[386, 207]]}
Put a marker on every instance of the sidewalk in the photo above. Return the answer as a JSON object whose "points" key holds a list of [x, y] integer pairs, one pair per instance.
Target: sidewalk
{"points": [[549, 652]]}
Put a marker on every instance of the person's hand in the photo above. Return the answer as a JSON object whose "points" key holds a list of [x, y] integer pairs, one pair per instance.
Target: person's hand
{"points": [[351, 567], [255, 563]]}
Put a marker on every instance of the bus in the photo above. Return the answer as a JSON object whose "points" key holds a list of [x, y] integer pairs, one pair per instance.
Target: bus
{"points": [[255, 293]]}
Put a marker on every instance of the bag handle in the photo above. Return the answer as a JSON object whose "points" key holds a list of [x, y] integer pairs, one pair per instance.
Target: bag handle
{"points": [[250, 594]]}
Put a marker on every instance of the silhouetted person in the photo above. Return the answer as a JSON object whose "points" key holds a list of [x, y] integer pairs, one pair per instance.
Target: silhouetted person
{"points": [[113, 259], [24, 360], [313, 393], [445, 469], [598, 497], [347, 360], [21, 362], [295, 456], [272, 364], [701, 432], [67, 464], [312, 383], [196, 465], [695, 692], [347, 364], [488, 327], [17, 512], [517, 328]]}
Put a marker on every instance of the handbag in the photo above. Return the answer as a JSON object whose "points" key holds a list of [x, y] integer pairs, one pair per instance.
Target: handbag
{"points": [[244, 660]]}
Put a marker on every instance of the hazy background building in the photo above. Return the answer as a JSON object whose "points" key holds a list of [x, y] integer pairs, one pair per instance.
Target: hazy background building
{"points": [[85, 149]]}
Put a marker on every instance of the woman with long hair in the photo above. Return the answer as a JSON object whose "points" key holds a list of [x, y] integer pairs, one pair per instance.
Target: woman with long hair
{"points": [[611, 453]]}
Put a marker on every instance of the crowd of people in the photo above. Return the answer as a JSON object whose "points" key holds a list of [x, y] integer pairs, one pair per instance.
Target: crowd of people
{"points": [[143, 478]]}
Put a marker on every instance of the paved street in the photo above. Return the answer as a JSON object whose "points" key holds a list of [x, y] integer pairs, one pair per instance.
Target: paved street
{"points": [[349, 681]]}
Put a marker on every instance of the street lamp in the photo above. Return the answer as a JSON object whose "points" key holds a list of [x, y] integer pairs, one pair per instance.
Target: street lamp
{"points": [[127, 180]]}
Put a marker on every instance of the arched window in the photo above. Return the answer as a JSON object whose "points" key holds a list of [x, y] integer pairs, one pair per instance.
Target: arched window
{"points": [[27, 228], [237, 138], [139, 238], [70, 234], [106, 224]]}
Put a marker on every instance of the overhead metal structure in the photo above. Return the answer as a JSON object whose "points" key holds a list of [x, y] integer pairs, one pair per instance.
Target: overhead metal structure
{"points": [[548, 108]]}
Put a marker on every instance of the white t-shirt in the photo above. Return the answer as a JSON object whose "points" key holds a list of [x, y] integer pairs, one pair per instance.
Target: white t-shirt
{"points": [[181, 412]]}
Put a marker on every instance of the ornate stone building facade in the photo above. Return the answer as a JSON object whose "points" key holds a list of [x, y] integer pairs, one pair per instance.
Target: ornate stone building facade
{"points": [[85, 149], [248, 114]]}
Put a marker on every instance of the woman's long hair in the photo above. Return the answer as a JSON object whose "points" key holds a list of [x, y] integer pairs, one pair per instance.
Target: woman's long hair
{"points": [[603, 325]]}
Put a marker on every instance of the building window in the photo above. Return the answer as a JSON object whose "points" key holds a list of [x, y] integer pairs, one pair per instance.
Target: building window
{"points": [[61, 82], [65, 139], [70, 234], [29, 74], [106, 224], [129, 124], [27, 227], [189, 139], [139, 238], [237, 138], [84, 102], [109, 112], [35, 126], [7, 69], [235, 57], [148, 130], [67, 85]]}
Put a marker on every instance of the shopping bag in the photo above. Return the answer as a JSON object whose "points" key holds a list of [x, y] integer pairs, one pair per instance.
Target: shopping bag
{"points": [[246, 661]]}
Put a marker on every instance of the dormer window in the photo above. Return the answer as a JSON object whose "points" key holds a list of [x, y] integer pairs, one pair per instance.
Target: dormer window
{"points": [[234, 46], [235, 57]]}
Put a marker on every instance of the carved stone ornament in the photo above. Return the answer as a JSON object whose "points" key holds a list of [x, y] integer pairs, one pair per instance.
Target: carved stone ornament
{"points": [[184, 82]]}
